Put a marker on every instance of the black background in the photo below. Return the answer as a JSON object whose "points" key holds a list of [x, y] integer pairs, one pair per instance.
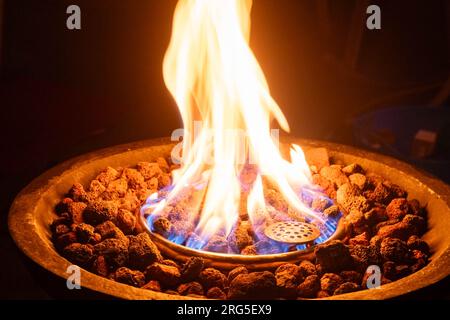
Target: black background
{"points": [[64, 93]]}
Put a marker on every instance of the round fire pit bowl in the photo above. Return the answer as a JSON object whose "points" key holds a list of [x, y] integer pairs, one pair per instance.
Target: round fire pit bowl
{"points": [[32, 212]]}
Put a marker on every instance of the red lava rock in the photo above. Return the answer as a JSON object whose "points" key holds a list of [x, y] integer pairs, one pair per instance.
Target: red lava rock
{"points": [[84, 232], [255, 285], [346, 287], [322, 294], [152, 184], [333, 256], [415, 243], [306, 268], [164, 181], [393, 272], [217, 244], [397, 209], [115, 251], [100, 266], [334, 174], [381, 194], [96, 188], [185, 289], [361, 239], [375, 215], [351, 276], [162, 226], [166, 275], [216, 293], [171, 263], [235, 272], [116, 189], [131, 277], [332, 211], [63, 206], [396, 250], [410, 225], [364, 256], [80, 254], [358, 180], [395, 190], [77, 193], [330, 282], [75, 210], [415, 208], [310, 287], [162, 163], [211, 277], [149, 170], [64, 240], [240, 237], [108, 230], [152, 285], [349, 198], [142, 251], [356, 220], [353, 168], [288, 278], [317, 157], [130, 201], [60, 229], [126, 221], [320, 204], [192, 268], [134, 178], [327, 186], [100, 211], [107, 176]]}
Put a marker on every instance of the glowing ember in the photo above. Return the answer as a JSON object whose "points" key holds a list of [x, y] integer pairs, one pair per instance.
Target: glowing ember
{"points": [[232, 173]]}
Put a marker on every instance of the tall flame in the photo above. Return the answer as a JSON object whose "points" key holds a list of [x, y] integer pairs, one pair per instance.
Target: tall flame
{"points": [[215, 78]]}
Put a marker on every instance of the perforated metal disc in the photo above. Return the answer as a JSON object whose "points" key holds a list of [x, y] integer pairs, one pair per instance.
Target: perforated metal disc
{"points": [[294, 232]]}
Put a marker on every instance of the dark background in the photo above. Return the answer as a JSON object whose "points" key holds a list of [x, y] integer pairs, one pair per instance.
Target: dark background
{"points": [[64, 93]]}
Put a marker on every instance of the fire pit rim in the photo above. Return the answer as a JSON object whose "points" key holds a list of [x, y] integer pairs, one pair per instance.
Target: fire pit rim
{"points": [[23, 229]]}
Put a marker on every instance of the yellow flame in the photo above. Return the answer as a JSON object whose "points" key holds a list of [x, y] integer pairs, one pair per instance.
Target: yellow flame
{"points": [[215, 78]]}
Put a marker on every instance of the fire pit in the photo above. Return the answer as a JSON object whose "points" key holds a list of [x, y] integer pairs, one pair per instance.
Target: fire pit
{"points": [[33, 212]]}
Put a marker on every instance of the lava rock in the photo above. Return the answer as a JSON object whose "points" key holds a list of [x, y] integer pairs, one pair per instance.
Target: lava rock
{"points": [[361, 239], [240, 238], [131, 277], [395, 250], [353, 168], [309, 288], [162, 226], [255, 285], [64, 240], [334, 174], [306, 268], [142, 251], [393, 271], [192, 268], [100, 211], [216, 293], [235, 272], [76, 211], [346, 287], [108, 175], [152, 285], [190, 288], [100, 266], [364, 256], [211, 277], [168, 276], [415, 243], [288, 278], [126, 221], [108, 230], [149, 170], [77, 193], [79, 254], [358, 180], [217, 244], [397, 209], [333, 256], [84, 232], [330, 282], [115, 251], [351, 276]]}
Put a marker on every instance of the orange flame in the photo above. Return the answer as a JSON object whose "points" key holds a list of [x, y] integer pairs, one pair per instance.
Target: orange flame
{"points": [[215, 78]]}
